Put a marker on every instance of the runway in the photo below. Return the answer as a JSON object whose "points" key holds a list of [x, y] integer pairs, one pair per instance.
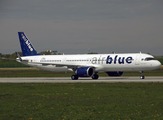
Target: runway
{"points": [[81, 80]]}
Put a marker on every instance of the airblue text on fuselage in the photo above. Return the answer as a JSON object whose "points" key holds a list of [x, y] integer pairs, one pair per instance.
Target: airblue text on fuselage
{"points": [[110, 60]]}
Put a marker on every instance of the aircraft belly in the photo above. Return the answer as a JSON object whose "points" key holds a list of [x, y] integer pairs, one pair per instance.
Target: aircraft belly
{"points": [[115, 67], [124, 67], [129, 68]]}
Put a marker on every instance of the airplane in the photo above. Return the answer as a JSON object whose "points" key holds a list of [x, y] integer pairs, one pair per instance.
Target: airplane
{"points": [[86, 65]]}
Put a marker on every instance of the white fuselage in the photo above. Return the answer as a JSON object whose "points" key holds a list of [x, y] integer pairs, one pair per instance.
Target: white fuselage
{"points": [[100, 62]]}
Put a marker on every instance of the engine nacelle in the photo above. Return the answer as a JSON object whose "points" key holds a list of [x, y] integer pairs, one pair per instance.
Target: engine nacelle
{"points": [[115, 73], [84, 72]]}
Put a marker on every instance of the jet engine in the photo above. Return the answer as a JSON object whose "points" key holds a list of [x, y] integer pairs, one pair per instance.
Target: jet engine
{"points": [[84, 72], [115, 73]]}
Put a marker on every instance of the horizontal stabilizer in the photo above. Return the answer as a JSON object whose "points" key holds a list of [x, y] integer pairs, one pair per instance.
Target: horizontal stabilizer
{"points": [[18, 56]]}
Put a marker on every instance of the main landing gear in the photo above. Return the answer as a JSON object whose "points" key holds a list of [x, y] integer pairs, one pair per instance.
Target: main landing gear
{"points": [[142, 76], [95, 76], [75, 77]]}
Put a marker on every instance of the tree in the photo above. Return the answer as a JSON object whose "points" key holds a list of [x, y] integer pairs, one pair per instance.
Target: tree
{"points": [[92, 53]]}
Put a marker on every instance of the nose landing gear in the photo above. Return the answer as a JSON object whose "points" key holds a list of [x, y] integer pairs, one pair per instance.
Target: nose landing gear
{"points": [[142, 76]]}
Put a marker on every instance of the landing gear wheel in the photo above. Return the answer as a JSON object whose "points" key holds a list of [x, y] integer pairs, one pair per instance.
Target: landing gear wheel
{"points": [[74, 77], [142, 77], [95, 76]]}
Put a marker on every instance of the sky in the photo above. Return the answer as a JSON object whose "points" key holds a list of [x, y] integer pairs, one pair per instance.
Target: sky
{"points": [[82, 26]]}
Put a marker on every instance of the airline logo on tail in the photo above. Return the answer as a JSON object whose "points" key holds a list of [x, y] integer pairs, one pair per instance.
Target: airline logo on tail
{"points": [[26, 45], [27, 42]]}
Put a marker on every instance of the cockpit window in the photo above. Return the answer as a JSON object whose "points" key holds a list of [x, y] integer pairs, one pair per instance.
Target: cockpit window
{"points": [[149, 58]]}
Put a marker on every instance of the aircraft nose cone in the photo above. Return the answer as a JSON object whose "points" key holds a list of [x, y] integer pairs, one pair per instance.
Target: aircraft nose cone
{"points": [[157, 64]]}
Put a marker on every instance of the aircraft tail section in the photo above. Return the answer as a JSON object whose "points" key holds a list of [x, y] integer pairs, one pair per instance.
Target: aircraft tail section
{"points": [[26, 46]]}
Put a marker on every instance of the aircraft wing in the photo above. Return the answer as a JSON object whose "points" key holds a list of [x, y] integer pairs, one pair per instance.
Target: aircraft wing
{"points": [[68, 65]]}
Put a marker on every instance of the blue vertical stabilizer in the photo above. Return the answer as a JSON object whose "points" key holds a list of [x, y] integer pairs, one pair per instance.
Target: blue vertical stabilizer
{"points": [[26, 46]]}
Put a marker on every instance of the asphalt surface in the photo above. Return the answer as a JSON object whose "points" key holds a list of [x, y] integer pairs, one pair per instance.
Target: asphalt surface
{"points": [[80, 80]]}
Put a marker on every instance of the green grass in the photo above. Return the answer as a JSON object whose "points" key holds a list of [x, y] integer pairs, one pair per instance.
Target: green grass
{"points": [[11, 64], [81, 101], [31, 73], [42, 73]]}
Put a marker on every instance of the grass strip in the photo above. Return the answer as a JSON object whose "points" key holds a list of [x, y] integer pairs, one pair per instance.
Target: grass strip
{"points": [[42, 73], [81, 101]]}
